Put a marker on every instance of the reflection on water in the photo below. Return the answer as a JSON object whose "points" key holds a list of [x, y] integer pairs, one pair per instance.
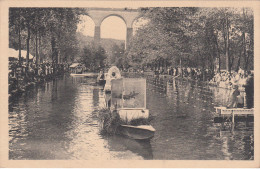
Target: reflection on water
{"points": [[59, 120]]}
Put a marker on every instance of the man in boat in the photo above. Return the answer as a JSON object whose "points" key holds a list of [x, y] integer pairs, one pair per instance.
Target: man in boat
{"points": [[113, 73]]}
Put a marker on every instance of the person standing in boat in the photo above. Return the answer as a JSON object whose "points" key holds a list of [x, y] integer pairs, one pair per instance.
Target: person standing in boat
{"points": [[113, 73]]}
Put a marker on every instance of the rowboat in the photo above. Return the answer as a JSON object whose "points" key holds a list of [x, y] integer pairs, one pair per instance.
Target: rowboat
{"points": [[140, 132], [87, 74]]}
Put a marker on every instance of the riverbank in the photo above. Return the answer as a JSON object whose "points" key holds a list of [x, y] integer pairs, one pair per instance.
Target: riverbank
{"points": [[21, 78], [225, 83]]}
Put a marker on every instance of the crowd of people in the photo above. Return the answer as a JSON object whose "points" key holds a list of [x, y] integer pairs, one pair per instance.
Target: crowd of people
{"points": [[192, 73], [240, 82], [222, 79], [22, 76]]}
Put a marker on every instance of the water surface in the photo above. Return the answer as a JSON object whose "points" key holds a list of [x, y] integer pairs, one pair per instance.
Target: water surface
{"points": [[59, 120]]}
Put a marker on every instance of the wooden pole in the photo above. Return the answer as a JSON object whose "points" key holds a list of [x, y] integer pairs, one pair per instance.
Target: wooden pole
{"points": [[233, 120], [245, 101]]}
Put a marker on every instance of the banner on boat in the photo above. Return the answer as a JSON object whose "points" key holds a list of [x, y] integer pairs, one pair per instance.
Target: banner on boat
{"points": [[129, 93]]}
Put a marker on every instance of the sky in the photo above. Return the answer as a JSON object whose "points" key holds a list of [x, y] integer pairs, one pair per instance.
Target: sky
{"points": [[112, 27]]}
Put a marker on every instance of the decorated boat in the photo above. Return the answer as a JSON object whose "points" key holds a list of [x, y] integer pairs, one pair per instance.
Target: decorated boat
{"points": [[128, 99]]}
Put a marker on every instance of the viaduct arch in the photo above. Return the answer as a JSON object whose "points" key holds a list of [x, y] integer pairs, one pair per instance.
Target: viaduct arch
{"points": [[98, 15]]}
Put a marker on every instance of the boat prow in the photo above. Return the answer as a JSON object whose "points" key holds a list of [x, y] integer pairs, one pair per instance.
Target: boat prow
{"points": [[141, 132]]}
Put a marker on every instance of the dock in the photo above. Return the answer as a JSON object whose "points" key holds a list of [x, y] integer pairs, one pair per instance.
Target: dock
{"points": [[233, 115]]}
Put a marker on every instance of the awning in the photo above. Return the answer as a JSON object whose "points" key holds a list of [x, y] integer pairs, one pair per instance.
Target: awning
{"points": [[74, 65], [15, 53]]}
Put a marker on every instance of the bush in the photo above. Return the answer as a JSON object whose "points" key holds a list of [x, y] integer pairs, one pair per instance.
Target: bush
{"points": [[111, 120]]}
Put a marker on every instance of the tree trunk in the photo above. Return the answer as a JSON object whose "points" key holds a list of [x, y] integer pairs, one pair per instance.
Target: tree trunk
{"points": [[36, 49], [19, 44], [227, 47], [181, 68], [54, 53], [217, 51], [238, 62], [231, 61], [244, 50], [19, 38], [240, 53], [28, 45], [246, 54], [39, 47]]}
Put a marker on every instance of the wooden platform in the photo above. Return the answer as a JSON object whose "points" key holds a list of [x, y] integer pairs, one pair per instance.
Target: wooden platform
{"points": [[233, 115], [235, 111]]}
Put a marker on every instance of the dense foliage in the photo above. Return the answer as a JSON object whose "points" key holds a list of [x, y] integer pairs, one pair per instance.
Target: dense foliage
{"points": [[47, 33], [93, 57], [213, 38], [207, 38], [117, 57]]}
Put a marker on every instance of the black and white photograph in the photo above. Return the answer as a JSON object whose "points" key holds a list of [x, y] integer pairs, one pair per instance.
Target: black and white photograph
{"points": [[133, 82]]}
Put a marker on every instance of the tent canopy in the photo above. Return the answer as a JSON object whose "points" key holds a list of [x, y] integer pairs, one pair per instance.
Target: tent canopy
{"points": [[15, 53], [115, 70], [74, 65]]}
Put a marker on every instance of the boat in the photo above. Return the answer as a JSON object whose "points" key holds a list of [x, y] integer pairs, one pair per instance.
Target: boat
{"points": [[84, 74], [79, 70], [141, 132], [135, 122], [128, 100]]}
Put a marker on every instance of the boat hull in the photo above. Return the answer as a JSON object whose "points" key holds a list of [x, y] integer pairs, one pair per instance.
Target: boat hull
{"points": [[142, 132], [84, 75]]}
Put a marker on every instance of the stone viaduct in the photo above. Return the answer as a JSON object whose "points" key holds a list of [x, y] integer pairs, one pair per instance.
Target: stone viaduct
{"points": [[99, 14]]}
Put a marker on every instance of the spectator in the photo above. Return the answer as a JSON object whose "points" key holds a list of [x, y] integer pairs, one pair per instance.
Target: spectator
{"points": [[234, 100]]}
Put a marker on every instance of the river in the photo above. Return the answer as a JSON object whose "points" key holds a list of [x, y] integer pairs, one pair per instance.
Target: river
{"points": [[59, 120]]}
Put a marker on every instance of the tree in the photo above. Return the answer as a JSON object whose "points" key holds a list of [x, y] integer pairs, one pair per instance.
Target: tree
{"points": [[49, 31], [93, 57], [15, 24], [118, 55], [195, 37], [227, 26], [164, 37]]}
